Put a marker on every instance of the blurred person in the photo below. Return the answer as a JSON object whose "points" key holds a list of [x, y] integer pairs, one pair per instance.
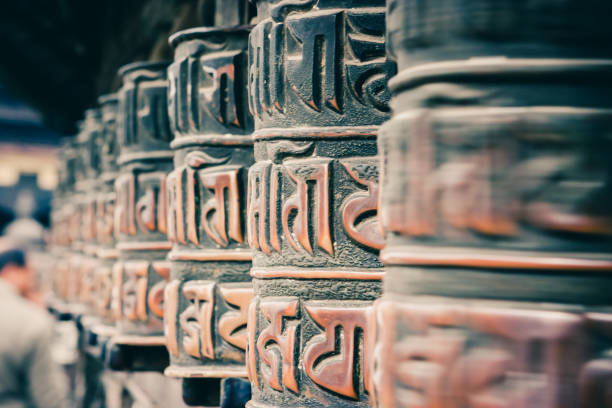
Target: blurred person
{"points": [[28, 375]]}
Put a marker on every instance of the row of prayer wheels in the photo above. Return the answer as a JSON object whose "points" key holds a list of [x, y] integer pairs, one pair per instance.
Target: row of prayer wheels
{"points": [[241, 212]]}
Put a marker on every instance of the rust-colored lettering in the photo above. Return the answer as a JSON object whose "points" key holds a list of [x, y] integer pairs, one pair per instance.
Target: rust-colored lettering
{"points": [[302, 173], [135, 290], [330, 358], [232, 325], [222, 183], [276, 343], [196, 320]]}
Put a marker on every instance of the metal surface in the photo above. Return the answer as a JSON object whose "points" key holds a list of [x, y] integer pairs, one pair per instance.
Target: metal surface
{"points": [[495, 203], [207, 298], [317, 91], [140, 214], [101, 327]]}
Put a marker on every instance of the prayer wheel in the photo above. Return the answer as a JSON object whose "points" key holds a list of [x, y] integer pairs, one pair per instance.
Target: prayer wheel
{"points": [[495, 201], [317, 91]]}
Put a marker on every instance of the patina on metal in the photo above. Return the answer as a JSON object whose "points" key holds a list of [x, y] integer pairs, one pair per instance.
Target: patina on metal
{"points": [[210, 289], [496, 206], [140, 213], [103, 326], [77, 208], [317, 91]]}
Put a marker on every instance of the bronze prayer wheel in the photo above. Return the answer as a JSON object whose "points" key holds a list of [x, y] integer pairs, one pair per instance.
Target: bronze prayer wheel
{"points": [[106, 252], [207, 298], [79, 209], [317, 91], [496, 207], [145, 159]]}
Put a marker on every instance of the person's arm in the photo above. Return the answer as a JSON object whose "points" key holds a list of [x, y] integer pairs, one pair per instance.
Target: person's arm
{"points": [[47, 382]]}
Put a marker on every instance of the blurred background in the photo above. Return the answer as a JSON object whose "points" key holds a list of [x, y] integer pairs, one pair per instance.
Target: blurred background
{"points": [[58, 56]]}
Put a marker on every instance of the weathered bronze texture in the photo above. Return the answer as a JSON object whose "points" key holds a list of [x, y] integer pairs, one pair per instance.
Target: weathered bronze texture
{"points": [[100, 326], [496, 205], [207, 298], [76, 273], [140, 214], [317, 91]]}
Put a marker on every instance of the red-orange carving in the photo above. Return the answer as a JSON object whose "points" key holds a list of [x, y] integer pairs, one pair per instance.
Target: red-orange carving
{"points": [[250, 351], [175, 221], [151, 212], [232, 325], [302, 173], [125, 191], [222, 183], [276, 344], [156, 293], [196, 320], [170, 315], [262, 209], [331, 359], [135, 290], [461, 191], [455, 355], [360, 204]]}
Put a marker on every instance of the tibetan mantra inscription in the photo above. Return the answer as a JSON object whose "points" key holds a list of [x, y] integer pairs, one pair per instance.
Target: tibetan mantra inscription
{"points": [[207, 299], [317, 82], [140, 213], [105, 208], [495, 204]]}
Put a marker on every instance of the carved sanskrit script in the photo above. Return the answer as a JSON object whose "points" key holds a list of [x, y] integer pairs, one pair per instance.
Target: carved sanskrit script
{"points": [[303, 217], [276, 343], [148, 212], [483, 188], [145, 107], [196, 320], [334, 360], [309, 54], [363, 205], [212, 307], [218, 96], [137, 298], [521, 357], [217, 189], [329, 358]]}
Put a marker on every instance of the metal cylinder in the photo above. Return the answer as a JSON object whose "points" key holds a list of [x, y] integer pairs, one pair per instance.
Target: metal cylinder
{"points": [[140, 214], [106, 253], [317, 91], [207, 298], [495, 203]]}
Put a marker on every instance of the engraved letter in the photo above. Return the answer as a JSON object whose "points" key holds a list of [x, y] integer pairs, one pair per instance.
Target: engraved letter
{"points": [[232, 325], [196, 320], [329, 358], [301, 173], [276, 343]]}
